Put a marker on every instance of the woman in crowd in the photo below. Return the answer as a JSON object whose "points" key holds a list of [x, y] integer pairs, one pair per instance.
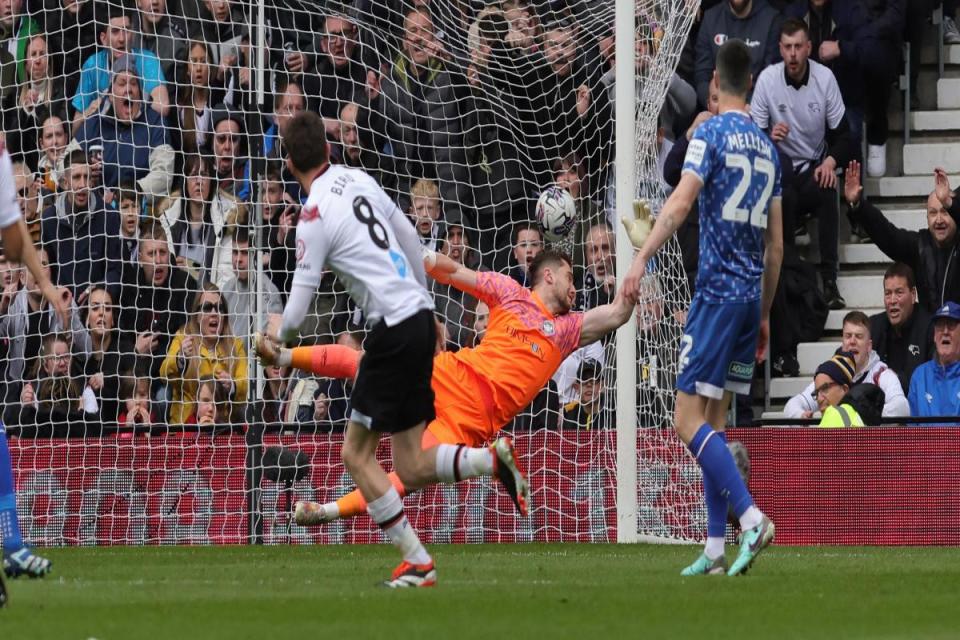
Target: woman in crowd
{"points": [[205, 346], [107, 354]]}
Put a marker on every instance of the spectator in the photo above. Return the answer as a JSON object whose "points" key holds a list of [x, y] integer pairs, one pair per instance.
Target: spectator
{"points": [[195, 99], [72, 31], [935, 385], [425, 212], [135, 398], [129, 209], [867, 368], [161, 33], [863, 51], [276, 383], [341, 75], [280, 215], [355, 148], [188, 223], [205, 346], [932, 253], [658, 335], [27, 184], [456, 246], [816, 139], [95, 76], [17, 28], [527, 245], [589, 410], [224, 29], [154, 299], [81, 237], [481, 318], [831, 382], [40, 94], [54, 403], [25, 318], [421, 103], [289, 100], [240, 293], [599, 280], [135, 141], [569, 172], [53, 142], [108, 357], [901, 334], [753, 21], [230, 158], [214, 405], [568, 372]]}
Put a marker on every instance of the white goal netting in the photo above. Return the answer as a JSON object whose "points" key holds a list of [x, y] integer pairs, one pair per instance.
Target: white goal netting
{"points": [[149, 145]]}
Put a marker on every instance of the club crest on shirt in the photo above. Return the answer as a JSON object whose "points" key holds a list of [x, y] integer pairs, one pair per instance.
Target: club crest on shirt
{"points": [[548, 328], [301, 250], [814, 107], [914, 349]]}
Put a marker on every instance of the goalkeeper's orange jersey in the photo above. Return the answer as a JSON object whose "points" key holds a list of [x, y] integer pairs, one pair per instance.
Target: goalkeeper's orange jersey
{"points": [[523, 346]]}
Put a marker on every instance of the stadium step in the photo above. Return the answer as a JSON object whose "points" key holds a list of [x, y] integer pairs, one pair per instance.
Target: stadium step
{"points": [[861, 291], [811, 355], [851, 254], [920, 158], [948, 93], [785, 388], [918, 187], [913, 219], [927, 121], [835, 319]]}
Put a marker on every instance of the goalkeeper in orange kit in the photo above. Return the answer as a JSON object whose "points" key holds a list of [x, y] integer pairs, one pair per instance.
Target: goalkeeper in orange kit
{"points": [[477, 390]]}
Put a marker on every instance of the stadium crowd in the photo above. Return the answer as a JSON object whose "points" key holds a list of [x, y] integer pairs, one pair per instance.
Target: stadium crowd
{"points": [[155, 184]]}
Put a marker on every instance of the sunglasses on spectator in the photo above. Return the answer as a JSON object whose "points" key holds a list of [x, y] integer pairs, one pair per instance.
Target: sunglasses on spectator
{"points": [[213, 307]]}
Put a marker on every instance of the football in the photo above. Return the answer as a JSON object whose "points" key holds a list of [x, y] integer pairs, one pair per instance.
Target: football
{"points": [[556, 213]]}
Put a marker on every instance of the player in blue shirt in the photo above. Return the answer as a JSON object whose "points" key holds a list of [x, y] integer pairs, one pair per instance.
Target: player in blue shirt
{"points": [[733, 167]]}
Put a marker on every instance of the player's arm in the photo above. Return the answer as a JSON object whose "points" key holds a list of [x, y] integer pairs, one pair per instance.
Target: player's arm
{"points": [[447, 271], [772, 259], [600, 321], [674, 212], [312, 249], [409, 243]]}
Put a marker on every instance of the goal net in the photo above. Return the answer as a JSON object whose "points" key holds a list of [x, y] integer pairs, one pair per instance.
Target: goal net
{"points": [[148, 139]]}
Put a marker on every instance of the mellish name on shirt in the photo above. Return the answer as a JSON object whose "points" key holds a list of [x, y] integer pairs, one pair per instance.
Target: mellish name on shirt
{"points": [[747, 140]]}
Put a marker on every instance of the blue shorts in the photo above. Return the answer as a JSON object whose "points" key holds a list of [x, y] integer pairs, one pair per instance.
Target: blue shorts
{"points": [[718, 350]]}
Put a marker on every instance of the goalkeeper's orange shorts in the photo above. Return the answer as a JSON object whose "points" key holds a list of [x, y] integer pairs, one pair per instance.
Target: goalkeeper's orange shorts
{"points": [[463, 404]]}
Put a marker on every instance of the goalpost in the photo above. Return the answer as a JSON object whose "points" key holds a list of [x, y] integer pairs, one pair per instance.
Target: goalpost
{"points": [[475, 108]]}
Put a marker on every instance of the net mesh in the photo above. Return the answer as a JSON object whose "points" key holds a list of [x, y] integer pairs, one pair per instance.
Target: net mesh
{"points": [[152, 174]]}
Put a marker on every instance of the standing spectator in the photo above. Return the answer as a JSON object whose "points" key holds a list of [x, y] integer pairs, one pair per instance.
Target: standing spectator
{"points": [[108, 357], [134, 139], [288, 101], [341, 75], [901, 334], [195, 99], [599, 280], [421, 105], [72, 32], [798, 103], [527, 245], [186, 220], [935, 385], [161, 33], [27, 184], [205, 346], [231, 165], [39, 95], [753, 21], [129, 209], [95, 76], [932, 253], [17, 28], [356, 148], [82, 238], [588, 411], [224, 29], [154, 299], [240, 294], [867, 368]]}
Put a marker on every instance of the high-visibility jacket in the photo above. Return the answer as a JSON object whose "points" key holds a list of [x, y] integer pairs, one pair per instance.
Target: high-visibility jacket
{"points": [[842, 415]]}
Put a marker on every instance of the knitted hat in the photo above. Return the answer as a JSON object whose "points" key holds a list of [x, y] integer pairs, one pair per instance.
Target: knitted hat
{"points": [[840, 368]]}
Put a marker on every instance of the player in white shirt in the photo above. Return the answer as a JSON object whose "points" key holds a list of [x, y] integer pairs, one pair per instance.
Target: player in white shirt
{"points": [[18, 559], [351, 227]]}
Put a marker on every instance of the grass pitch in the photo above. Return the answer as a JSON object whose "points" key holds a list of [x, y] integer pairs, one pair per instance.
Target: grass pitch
{"points": [[535, 591]]}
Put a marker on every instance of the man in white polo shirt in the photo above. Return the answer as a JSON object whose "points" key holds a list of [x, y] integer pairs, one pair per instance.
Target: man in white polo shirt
{"points": [[798, 103]]}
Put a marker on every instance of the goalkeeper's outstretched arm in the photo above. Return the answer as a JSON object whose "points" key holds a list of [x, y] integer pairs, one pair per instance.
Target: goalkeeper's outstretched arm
{"points": [[674, 212], [447, 271], [600, 321]]}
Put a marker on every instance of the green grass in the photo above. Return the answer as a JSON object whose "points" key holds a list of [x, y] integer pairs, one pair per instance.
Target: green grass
{"points": [[542, 592]]}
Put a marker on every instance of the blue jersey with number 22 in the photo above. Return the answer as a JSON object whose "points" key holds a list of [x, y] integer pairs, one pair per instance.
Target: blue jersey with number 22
{"points": [[740, 171]]}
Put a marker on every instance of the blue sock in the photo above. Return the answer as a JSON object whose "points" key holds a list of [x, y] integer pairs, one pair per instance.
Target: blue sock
{"points": [[716, 503], [717, 463], [9, 525]]}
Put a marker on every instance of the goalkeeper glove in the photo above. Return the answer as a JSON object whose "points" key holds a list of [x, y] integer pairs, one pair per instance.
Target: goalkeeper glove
{"points": [[639, 228]]}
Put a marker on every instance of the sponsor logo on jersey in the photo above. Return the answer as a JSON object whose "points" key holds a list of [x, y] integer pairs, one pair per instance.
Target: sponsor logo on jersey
{"points": [[695, 152], [309, 213], [741, 370], [301, 250], [399, 263]]}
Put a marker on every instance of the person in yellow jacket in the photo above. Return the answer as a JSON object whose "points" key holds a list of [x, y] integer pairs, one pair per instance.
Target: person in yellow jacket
{"points": [[830, 384], [205, 346]]}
